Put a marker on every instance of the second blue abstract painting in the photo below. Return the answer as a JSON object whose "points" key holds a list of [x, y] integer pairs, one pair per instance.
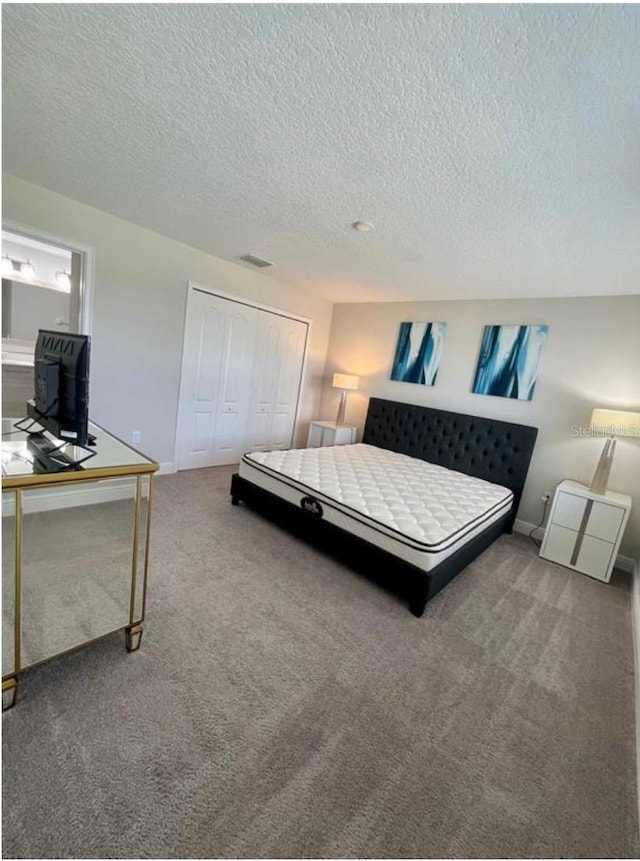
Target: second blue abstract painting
{"points": [[509, 360], [418, 353]]}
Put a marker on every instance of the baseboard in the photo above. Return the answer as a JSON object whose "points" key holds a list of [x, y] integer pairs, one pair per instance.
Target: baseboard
{"points": [[635, 632], [626, 563], [524, 528], [167, 468]]}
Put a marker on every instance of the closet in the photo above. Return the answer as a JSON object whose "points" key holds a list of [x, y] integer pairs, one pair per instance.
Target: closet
{"points": [[241, 376]]}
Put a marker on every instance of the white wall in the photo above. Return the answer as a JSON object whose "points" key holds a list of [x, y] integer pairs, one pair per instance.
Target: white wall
{"points": [[591, 358], [140, 290]]}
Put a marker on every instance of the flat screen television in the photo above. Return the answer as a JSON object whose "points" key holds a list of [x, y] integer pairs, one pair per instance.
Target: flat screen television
{"points": [[61, 381]]}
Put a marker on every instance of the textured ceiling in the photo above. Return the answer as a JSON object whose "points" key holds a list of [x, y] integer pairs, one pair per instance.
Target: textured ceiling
{"points": [[494, 147]]}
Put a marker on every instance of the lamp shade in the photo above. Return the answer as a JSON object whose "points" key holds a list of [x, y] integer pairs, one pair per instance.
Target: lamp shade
{"points": [[616, 422], [345, 381]]}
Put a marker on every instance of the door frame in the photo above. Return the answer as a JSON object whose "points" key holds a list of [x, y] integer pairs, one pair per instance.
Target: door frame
{"points": [[240, 300]]}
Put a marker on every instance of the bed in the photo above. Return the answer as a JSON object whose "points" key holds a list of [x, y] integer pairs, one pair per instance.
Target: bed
{"points": [[423, 494]]}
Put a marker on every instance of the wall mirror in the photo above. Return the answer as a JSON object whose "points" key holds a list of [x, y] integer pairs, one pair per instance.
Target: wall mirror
{"points": [[43, 285]]}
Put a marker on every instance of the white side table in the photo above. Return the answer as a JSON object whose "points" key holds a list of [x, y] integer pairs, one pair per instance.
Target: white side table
{"points": [[330, 433], [585, 529]]}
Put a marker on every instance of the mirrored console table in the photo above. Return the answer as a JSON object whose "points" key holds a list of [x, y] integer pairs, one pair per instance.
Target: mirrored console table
{"points": [[74, 551]]}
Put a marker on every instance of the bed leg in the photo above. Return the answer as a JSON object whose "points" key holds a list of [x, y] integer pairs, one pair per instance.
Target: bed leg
{"points": [[235, 500], [418, 602]]}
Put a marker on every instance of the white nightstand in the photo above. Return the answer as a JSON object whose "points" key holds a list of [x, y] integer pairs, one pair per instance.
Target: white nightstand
{"points": [[585, 529], [329, 433]]}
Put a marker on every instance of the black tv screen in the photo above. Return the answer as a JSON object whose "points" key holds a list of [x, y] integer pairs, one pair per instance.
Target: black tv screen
{"points": [[61, 380]]}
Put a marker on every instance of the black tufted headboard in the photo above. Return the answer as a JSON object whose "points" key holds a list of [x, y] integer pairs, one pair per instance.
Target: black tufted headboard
{"points": [[485, 448]]}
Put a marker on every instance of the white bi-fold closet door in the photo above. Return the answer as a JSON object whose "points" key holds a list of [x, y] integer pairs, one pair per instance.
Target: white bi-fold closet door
{"points": [[241, 377]]}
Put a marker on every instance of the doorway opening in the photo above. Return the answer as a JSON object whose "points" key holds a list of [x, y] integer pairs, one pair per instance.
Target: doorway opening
{"points": [[44, 286]]}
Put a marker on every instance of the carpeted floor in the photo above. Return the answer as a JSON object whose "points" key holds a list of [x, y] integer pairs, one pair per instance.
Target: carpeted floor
{"points": [[282, 706]]}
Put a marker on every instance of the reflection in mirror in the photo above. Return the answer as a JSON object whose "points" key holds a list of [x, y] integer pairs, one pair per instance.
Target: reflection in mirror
{"points": [[8, 580], [77, 565], [141, 554], [28, 307]]}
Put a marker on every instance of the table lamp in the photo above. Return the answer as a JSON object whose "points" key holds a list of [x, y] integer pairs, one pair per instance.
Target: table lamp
{"points": [[613, 423], [346, 382]]}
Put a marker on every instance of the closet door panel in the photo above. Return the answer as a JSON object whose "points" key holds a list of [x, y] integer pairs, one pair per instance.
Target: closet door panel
{"points": [[267, 349], [204, 330], [293, 335], [203, 428], [209, 355], [290, 365], [263, 381], [242, 368], [204, 401], [276, 380], [259, 432], [228, 444], [217, 361]]}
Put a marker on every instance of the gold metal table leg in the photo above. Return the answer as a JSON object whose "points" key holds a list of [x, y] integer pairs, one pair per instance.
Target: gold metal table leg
{"points": [[9, 693], [133, 637]]}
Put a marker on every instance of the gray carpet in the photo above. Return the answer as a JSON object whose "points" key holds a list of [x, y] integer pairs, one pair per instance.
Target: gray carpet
{"points": [[281, 706]]}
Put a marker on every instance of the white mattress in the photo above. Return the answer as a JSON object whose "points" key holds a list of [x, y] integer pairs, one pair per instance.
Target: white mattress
{"points": [[413, 509]]}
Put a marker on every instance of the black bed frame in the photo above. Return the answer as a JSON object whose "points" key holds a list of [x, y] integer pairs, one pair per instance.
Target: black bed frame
{"points": [[496, 451]]}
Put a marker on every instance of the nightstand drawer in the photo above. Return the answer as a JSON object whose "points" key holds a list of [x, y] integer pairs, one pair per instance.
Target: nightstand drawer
{"points": [[593, 558], [604, 520]]}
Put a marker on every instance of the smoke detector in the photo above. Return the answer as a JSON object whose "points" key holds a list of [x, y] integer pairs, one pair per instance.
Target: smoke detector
{"points": [[363, 226]]}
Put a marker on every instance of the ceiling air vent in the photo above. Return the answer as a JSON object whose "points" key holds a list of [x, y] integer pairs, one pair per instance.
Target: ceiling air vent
{"points": [[255, 261]]}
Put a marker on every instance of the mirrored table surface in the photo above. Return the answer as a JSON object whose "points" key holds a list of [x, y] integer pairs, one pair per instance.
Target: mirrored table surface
{"points": [[109, 455]]}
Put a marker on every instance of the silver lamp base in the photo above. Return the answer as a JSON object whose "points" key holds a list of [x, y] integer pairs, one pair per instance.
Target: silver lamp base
{"points": [[341, 408], [601, 475]]}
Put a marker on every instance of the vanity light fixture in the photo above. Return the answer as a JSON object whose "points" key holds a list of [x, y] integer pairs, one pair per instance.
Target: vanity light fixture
{"points": [[27, 269], [11, 266], [63, 279]]}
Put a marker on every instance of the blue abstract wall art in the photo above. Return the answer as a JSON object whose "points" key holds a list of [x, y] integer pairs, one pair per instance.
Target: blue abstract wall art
{"points": [[418, 353], [509, 360]]}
